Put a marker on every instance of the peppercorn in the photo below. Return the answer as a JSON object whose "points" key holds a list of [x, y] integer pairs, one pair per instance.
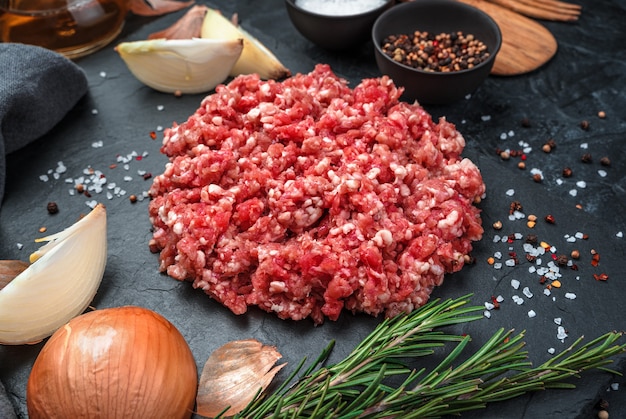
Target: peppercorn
{"points": [[515, 206], [80, 188], [601, 114], [147, 176], [584, 125], [605, 161], [603, 414], [521, 165], [532, 239], [537, 177], [546, 148], [575, 254], [561, 260], [445, 52], [504, 155], [52, 208], [586, 158], [550, 219], [551, 143], [525, 122], [133, 199], [497, 225], [567, 172]]}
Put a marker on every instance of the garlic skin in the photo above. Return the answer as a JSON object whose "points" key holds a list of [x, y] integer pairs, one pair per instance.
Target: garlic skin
{"points": [[60, 283], [256, 58], [186, 66]]}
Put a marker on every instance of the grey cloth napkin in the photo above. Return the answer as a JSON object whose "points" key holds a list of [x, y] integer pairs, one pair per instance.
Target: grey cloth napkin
{"points": [[6, 409], [37, 88]]}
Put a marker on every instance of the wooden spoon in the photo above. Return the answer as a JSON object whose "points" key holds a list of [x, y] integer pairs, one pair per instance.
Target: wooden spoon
{"points": [[9, 269], [526, 44]]}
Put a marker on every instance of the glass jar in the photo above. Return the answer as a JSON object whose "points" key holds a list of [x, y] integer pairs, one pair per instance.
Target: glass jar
{"points": [[73, 28]]}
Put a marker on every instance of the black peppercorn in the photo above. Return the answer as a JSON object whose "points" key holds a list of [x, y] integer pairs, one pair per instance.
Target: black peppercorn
{"points": [[52, 208]]}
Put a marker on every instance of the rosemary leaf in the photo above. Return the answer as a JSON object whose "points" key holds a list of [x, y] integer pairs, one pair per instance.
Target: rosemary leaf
{"points": [[376, 381]]}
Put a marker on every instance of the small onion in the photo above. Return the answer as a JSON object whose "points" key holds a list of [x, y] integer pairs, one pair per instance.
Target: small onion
{"points": [[124, 362]]}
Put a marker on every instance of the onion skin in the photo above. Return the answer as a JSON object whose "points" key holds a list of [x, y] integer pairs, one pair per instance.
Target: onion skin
{"points": [[124, 362]]}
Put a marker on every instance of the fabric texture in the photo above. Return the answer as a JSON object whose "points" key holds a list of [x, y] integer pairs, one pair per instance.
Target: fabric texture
{"points": [[6, 409], [37, 89]]}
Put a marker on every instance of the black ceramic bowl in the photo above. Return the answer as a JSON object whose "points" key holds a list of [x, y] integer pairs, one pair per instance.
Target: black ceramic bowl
{"points": [[339, 32], [436, 16]]}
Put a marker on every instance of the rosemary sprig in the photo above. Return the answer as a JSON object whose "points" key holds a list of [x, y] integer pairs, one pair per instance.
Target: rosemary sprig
{"points": [[362, 384]]}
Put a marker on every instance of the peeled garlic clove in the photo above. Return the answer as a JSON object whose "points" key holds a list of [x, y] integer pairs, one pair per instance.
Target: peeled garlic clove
{"points": [[59, 285], [181, 65], [255, 58], [234, 374]]}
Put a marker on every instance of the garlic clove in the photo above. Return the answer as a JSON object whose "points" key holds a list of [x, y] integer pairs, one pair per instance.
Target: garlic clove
{"points": [[255, 58], [181, 65], [156, 7], [58, 285], [234, 375]]}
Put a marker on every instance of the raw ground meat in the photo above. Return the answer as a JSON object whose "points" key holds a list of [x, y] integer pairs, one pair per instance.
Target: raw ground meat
{"points": [[305, 197]]}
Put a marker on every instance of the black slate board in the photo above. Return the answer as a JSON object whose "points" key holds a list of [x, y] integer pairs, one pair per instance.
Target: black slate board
{"points": [[587, 75]]}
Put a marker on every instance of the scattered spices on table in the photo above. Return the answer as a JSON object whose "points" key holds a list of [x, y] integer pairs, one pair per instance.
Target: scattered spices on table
{"points": [[443, 52]]}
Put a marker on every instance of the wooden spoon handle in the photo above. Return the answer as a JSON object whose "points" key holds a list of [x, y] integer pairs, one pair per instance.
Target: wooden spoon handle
{"points": [[526, 44]]}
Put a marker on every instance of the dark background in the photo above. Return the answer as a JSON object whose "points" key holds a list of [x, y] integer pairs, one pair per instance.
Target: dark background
{"points": [[587, 75]]}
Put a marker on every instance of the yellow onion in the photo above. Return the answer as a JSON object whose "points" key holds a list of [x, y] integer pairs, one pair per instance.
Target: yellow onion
{"points": [[124, 362]]}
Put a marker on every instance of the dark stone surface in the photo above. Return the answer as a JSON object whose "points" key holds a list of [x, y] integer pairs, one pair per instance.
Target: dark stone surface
{"points": [[587, 75]]}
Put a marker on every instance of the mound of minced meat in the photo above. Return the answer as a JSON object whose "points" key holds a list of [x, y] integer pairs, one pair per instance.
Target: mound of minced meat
{"points": [[305, 197]]}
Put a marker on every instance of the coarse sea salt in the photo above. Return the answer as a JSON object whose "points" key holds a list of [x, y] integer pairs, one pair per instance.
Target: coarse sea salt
{"points": [[570, 295], [532, 314], [515, 283], [551, 351], [339, 7]]}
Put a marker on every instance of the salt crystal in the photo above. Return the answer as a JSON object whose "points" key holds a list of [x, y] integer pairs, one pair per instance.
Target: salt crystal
{"points": [[619, 234], [496, 238], [581, 184], [527, 149], [615, 386], [532, 270], [159, 128], [510, 262], [573, 192], [489, 306], [551, 351], [558, 320], [510, 192], [547, 292], [571, 239], [497, 266], [109, 195], [503, 136], [515, 283], [97, 144], [336, 7], [602, 173], [579, 235], [584, 146], [92, 204], [497, 255], [94, 112], [527, 292], [160, 107], [559, 182], [561, 333], [486, 118], [532, 314], [20, 246], [103, 74], [517, 300], [518, 236], [570, 295], [487, 314], [499, 298]]}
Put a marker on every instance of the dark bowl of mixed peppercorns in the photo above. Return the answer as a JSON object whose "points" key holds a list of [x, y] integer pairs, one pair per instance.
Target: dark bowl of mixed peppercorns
{"points": [[336, 25], [439, 51]]}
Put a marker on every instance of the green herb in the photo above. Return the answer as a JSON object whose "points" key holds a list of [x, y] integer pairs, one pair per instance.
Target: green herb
{"points": [[374, 380]]}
